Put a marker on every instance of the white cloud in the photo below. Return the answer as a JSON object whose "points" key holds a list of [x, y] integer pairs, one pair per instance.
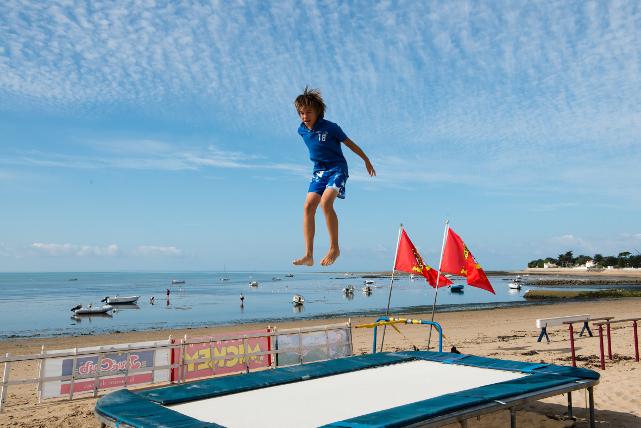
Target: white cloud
{"points": [[156, 250], [150, 155], [590, 245], [529, 94], [58, 250]]}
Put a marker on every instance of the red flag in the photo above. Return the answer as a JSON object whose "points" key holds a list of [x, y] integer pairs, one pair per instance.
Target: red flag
{"points": [[458, 260], [409, 260]]}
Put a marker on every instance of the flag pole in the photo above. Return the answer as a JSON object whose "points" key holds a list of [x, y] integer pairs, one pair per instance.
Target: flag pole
{"points": [[389, 297], [438, 278]]}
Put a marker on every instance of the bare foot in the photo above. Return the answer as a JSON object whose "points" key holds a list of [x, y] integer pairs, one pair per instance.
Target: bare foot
{"points": [[304, 261], [330, 257]]}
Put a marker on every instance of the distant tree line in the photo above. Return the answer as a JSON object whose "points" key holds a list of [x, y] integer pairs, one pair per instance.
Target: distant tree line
{"points": [[623, 260]]}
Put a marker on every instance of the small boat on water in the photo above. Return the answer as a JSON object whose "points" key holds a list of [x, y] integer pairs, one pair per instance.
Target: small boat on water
{"points": [[275, 278], [457, 288], [289, 275], [368, 281], [253, 283], [177, 281], [298, 300], [224, 279], [91, 310], [349, 290], [515, 285], [120, 300], [368, 289]]}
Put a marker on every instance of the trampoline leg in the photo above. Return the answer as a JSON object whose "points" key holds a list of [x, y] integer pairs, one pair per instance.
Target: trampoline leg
{"points": [[512, 417], [591, 422], [570, 415]]}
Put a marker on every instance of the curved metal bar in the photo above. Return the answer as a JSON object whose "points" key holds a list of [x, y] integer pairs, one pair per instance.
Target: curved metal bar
{"points": [[410, 321]]}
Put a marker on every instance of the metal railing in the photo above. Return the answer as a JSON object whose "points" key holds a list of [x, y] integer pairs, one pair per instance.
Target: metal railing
{"points": [[176, 366]]}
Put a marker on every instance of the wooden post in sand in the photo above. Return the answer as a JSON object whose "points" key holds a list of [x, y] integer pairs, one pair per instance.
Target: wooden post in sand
{"points": [[601, 352], [5, 381], [41, 369], [607, 327], [636, 341]]}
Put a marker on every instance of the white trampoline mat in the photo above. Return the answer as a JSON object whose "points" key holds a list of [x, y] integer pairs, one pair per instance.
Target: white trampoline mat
{"points": [[333, 398]]}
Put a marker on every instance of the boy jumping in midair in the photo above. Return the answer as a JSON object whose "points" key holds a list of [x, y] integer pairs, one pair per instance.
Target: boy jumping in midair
{"points": [[323, 139]]}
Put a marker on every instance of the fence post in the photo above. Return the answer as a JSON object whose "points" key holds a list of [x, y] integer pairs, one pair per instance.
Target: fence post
{"points": [[153, 363], [607, 326], [41, 368], [273, 347], [246, 350], [96, 382], [74, 366], [212, 363], [349, 332], [5, 381], [327, 343], [602, 352], [181, 371], [127, 364], [300, 346], [636, 341]]}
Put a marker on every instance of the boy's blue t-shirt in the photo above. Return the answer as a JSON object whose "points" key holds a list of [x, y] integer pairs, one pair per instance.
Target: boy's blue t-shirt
{"points": [[324, 144]]}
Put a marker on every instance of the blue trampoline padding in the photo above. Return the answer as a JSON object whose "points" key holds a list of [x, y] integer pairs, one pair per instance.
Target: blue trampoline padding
{"points": [[439, 406], [144, 408], [129, 408]]}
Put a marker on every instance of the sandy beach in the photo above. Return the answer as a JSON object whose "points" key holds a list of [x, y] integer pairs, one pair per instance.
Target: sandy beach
{"points": [[500, 333]]}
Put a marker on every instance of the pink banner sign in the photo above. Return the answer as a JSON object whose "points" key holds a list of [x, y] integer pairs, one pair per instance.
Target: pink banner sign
{"points": [[221, 356]]}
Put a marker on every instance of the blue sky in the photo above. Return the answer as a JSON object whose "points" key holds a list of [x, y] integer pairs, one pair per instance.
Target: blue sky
{"points": [[155, 135]]}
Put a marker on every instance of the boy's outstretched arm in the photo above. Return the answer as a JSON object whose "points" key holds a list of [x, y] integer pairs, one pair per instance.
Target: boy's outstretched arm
{"points": [[354, 147]]}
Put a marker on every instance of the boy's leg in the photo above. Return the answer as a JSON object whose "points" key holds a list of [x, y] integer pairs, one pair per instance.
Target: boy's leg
{"points": [[331, 219], [309, 228]]}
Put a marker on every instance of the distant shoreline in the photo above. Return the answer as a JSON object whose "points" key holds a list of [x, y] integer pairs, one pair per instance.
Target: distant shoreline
{"points": [[608, 273]]}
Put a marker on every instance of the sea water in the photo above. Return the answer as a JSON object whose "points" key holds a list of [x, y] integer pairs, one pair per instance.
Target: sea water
{"points": [[38, 304]]}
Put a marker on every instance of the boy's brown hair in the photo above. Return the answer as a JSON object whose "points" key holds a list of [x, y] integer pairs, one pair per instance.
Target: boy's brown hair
{"points": [[311, 98]]}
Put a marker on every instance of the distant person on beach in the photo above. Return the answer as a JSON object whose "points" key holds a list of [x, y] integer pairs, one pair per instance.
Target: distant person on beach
{"points": [[242, 299], [152, 300], [323, 139], [168, 293]]}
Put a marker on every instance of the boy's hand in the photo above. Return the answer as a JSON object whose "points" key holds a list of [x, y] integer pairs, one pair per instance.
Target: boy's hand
{"points": [[370, 168]]}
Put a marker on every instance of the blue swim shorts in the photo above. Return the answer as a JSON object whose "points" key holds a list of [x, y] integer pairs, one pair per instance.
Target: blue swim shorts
{"points": [[334, 178]]}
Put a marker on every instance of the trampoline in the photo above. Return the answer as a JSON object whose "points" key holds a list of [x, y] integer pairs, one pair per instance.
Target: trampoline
{"points": [[401, 389]]}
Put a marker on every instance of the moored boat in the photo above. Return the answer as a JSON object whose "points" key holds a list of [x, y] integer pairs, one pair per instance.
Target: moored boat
{"points": [[456, 288], [120, 300], [298, 299], [515, 285], [177, 281], [91, 310], [253, 283]]}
